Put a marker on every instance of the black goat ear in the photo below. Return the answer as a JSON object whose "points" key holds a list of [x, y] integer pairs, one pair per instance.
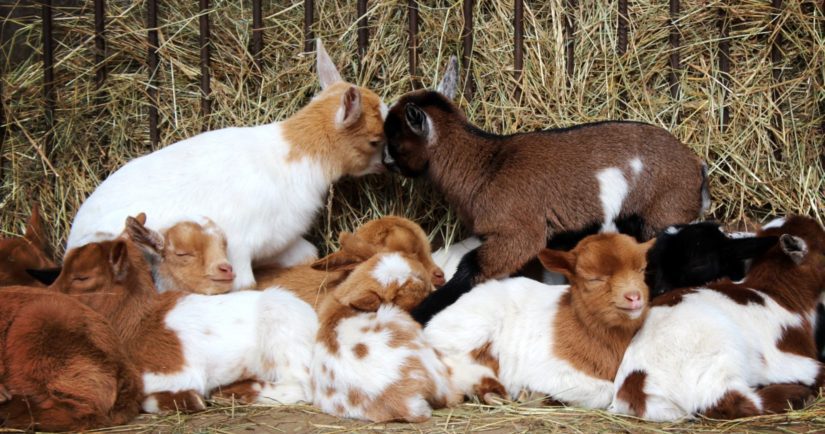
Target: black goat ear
{"points": [[747, 248], [416, 119], [46, 276]]}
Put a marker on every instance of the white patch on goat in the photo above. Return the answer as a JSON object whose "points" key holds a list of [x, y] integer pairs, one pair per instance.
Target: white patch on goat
{"points": [[708, 344], [511, 316], [447, 258], [384, 110], [267, 334], [392, 268], [299, 252], [775, 223], [672, 230], [739, 234], [150, 405], [636, 166], [612, 192]]}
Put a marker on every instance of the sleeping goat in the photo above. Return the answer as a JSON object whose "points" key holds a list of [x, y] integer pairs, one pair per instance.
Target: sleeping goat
{"points": [[564, 341], [21, 255], [262, 185], [517, 191], [728, 350], [371, 360]]}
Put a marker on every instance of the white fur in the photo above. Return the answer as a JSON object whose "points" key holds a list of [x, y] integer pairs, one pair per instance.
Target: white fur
{"points": [[379, 369], [636, 166], [392, 268], [299, 252], [612, 192], [775, 223], [225, 338], [239, 177], [517, 317], [696, 351]]}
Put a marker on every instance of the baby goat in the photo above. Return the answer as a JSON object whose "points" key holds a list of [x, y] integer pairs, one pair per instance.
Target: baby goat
{"points": [[517, 191], [564, 341], [262, 185], [21, 256], [371, 360], [728, 350]]}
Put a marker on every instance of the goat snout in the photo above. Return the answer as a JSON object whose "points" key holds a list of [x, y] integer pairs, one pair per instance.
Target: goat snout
{"points": [[632, 300], [388, 160], [224, 273], [438, 278]]}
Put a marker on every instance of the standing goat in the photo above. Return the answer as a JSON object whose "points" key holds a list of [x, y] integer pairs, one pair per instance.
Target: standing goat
{"points": [[728, 350], [517, 191], [262, 185]]}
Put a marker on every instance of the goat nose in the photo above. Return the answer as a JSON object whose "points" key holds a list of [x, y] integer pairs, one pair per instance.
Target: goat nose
{"points": [[225, 268], [438, 277], [633, 296]]}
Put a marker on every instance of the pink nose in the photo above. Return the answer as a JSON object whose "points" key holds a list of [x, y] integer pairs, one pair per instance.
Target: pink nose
{"points": [[225, 271], [633, 296], [438, 278]]}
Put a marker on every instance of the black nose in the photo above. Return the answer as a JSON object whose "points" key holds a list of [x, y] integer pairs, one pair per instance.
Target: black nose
{"points": [[388, 161]]}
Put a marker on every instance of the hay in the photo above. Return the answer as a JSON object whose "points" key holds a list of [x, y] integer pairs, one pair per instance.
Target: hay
{"points": [[96, 131]]}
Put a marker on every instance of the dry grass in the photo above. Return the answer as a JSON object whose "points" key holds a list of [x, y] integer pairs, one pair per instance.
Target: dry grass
{"points": [[752, 174]]}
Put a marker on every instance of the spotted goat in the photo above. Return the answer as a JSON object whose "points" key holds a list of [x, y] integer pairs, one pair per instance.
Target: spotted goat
{"points": [[517, 334], [728, 350], [371, 360]]}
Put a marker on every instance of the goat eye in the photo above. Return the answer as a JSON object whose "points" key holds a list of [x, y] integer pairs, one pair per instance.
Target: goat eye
{"points": [[375, 143], [183, 254], [80, 278]]}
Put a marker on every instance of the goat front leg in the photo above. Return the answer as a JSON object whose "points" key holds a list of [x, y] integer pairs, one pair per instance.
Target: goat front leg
{"points": [[242, 265]]}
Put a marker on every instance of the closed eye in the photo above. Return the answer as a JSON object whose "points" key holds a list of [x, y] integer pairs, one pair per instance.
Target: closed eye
{"points": [[183, 254], [80, 278]]}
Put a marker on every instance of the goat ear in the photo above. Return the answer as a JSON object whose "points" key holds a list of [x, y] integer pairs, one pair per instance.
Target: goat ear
{"points": [[416, 119], [747, 248], [46, 276], [34, 229], [647, 245], [449, 82], [350, 110], [327, 72], [119, 259], [149, 241], [558, 261], [365, 300], [794, 247]]}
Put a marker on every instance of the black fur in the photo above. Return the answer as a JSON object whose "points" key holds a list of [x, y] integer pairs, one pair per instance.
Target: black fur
{"points": [[632, 225], [819, 332], [46, 276], [697, 254], [462, 282]]}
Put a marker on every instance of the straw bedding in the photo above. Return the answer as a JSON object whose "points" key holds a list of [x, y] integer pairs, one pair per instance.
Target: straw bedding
{"points": [[768, 159]]}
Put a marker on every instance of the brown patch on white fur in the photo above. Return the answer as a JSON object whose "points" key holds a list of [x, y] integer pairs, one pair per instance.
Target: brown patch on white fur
{"points": [[779, 398], [633, 392], [343, 149], [484, 356], [361, 350], [605, 305], [185, 401], [242, 391], [28, 252], [732, 405], [393, 402]]}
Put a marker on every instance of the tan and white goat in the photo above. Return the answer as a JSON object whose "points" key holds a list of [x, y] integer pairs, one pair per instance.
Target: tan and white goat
{"points": [[517, 334], [371, 360]]}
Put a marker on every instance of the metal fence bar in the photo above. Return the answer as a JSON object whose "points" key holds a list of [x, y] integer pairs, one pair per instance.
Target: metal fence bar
{"points": [[363, 31], [412, 9], [100, 43], [776, 73], [569, 40], [204, 42], [467, 38], [309, 12], [2, 126], [724, 64], [518, 44], [152, 61], [675, 61], [257, 33], [48, 73], [621, 45]]}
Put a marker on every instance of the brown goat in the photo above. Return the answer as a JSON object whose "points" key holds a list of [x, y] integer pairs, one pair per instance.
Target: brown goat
{"points": [[19, 255], [517, 191], [311, 282], [62, 367]]}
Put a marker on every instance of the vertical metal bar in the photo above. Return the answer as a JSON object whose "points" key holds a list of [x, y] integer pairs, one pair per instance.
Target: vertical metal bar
{"points": [[309, 12], [257, 33], [675, 61], [363, 31], [724, 64], [467, 38], [152, 60], [518, 49], [100, 43], [412, 8], [569, 40], [203, 39], [776, 72], [621, 46], [2, 127], [48, 72]]}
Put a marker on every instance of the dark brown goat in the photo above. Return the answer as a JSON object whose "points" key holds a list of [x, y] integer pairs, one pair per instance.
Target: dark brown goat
{"points": [[19, 255], [519, 190], [62, 367]]}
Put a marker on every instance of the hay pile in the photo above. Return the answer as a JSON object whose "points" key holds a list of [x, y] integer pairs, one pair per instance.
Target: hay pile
{"points": [[96, 131]]}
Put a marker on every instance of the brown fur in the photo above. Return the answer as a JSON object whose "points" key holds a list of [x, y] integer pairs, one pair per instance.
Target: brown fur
{"points": [[343, 151], [25, 253], [797, 340], [592, 331], [489, 389], [62, 366], [632, 392], [737, 293], [243, 391], [483, 356], [779, 398], [732, 405], [393, 401], [361, 350], [386, 234], [515, 191], [184, 401], [671, 298]]}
